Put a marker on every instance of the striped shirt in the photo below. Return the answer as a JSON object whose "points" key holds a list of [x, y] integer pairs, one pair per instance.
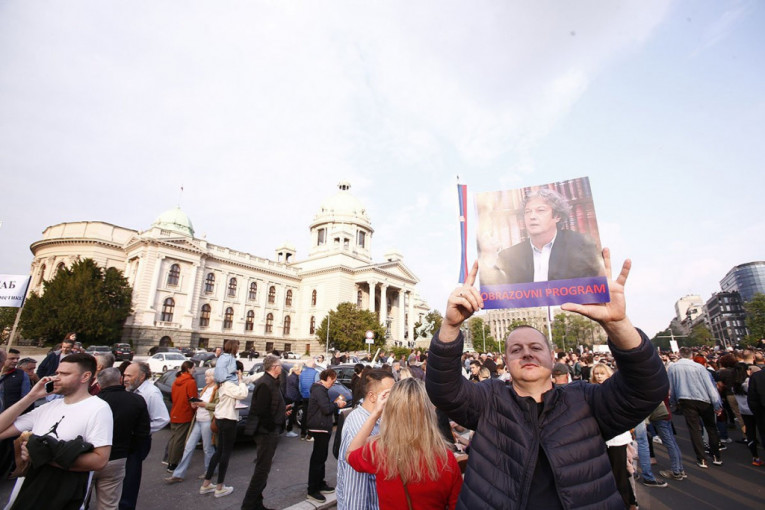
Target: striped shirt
{"points": [[355, 491]]}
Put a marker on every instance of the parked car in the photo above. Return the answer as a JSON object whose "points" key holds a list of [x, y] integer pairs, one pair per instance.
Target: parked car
{"points": [[247, 354], [201, 358], [122, 352], [154, 350], [162, 361], [188, 351], [345, 373], [97, 349], [290, 355]]}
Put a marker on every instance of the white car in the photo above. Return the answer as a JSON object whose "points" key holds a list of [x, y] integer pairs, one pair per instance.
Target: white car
{"points": [[164, 361]]}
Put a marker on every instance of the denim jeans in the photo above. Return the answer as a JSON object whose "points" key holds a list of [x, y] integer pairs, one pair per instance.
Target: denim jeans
{"points": [[664, 429], [644, 451], [200, 429]]}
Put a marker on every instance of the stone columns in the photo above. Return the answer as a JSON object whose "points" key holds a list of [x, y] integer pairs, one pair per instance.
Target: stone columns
{"points": [[411, 316], [192, 290], [155, 281], [384, 304], [401, 315], [372, 289]]}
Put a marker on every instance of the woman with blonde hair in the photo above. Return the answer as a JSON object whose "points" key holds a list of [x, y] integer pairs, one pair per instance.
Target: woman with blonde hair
{"points": [[617, 446], [412, 462], [293, 397]]}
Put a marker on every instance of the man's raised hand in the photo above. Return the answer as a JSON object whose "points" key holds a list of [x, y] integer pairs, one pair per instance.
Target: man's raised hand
{"points": [[463, 302]]}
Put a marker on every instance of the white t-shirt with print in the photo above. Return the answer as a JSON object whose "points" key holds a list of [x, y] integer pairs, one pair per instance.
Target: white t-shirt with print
{"points": [[90, 418]]}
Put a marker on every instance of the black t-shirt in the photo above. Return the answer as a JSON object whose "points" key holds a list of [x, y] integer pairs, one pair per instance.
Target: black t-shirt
{"points": [[543, 494]]}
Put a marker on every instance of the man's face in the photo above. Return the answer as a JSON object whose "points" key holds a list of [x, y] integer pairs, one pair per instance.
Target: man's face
{"points": [[539, 218], [12, 360], [133, 377], [69, 378], [66, 347], [528, 356], [474, 369], [29, 368]]}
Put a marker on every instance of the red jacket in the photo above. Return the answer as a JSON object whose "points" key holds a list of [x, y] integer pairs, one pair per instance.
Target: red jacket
{"points": [[184, 388]]}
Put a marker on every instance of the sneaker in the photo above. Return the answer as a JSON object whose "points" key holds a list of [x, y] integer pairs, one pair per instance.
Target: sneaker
{"points": [[173, 479], [654, 483], [726, 440], [657, 439], [302, 438], [326, 489], [723, 447], [757, 462], [291, 434], [316, 496], [206, 490], [702, 463], [309, 439], [171, 467], [717, 461], [671, 474], [225, 491], [164, 462]]}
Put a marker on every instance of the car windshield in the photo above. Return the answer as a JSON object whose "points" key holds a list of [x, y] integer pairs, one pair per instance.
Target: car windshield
{"points": [[174, 356]]}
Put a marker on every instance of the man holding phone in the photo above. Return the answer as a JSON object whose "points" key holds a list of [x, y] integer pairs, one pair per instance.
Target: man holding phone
{"points": [[78, 413]]}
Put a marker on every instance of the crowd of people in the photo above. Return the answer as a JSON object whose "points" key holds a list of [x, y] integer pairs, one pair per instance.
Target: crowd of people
{"points": [[437, 429]]}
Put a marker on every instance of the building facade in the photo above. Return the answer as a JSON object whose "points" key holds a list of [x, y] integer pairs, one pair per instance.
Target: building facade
{"points": [[746, 279], [189, 292], [726, 318]]}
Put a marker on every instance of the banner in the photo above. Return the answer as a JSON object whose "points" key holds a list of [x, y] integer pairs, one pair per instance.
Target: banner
{"points": [[13, 289], [539, 246]]}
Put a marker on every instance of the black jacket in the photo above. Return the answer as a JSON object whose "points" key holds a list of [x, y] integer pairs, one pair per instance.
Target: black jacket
{"points": [[49, 365], [572, 429], [131, 419], [267, 409], [320, 409]]}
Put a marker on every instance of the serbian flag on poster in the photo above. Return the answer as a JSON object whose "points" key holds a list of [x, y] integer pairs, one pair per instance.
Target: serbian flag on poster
{"points": [[462, 194]]}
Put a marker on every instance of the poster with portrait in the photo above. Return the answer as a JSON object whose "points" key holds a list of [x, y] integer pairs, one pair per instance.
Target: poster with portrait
{"points": [[539, 246]]}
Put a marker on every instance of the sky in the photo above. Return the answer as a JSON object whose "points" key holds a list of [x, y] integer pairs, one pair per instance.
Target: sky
{"points": [[258, 109]]}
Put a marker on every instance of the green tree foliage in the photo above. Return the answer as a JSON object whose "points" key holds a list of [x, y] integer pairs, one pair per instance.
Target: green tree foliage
{"points": [[433, 317], [7, 318], [84, 298], [661, 340], [479, 330], [570, 331], [755, 318], [699, 336], [348, 326]]}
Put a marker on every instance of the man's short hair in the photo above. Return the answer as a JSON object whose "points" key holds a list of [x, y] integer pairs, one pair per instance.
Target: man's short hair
{"points": [[557, 202], [686, 352], [526, 326], [143, 367], [475, 363], [374, 377], [26, 361], [269, 361], [13, 351], [84, 361], [107, 359], [327, 374], [109, 377], [560, 369]]}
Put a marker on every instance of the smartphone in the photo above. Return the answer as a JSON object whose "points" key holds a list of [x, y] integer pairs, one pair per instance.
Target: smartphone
{"points": [[49, 386], [195, 399]]}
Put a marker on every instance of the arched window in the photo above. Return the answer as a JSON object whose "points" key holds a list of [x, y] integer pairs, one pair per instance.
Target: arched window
{"points": [[287, 324], [228, 318], [253, 291], [249, 324], [313, 298], [313, 325], [271, 295], [232, 287], [174, 275], [288, 298], [167, 310], [42, 275], [210, 283], [204, 316], [269, 323], [359, 295], [60, 266]]}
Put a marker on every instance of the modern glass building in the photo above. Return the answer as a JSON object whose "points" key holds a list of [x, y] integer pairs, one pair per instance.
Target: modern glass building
{"points": [[746, 279]]}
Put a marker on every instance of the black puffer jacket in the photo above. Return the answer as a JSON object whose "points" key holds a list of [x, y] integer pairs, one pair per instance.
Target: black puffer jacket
{"points": [[320, 413], [572, 429]]}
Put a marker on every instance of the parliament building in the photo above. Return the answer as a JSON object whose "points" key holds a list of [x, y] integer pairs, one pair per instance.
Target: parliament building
{"points": [[189, 292]]}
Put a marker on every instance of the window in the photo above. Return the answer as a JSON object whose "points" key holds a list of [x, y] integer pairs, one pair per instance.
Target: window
{"points": [[42, 275], [60, 266], [210, 283], [346, 243], [204, 316], [228, 318], [269, 323], [313, 298], [232, 287], [174, 275], [359, 295], [253, 291], [313, 325], [361, 238], [248, 325], [288, 298], [287, 323], [271, 295], [321, 239], [167, 310]]}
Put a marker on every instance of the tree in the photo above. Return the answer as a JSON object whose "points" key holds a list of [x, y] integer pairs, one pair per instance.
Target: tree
{"points": [[755, 318], [699, 336], [348, 326], [7, 318], [84, 298], [480, 330], [572, 330], [433, 317]]}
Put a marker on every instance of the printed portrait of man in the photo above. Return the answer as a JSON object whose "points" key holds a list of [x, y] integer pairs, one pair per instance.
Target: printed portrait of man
{"points": [[551, 252]]}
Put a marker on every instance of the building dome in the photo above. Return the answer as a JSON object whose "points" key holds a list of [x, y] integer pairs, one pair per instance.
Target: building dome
{"points": [[343, 206], [175, 220]]}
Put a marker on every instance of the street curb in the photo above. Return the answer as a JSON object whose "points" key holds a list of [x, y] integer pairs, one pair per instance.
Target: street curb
{"points": [[309, 505]]}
